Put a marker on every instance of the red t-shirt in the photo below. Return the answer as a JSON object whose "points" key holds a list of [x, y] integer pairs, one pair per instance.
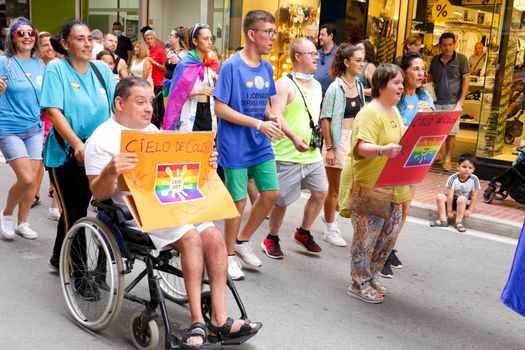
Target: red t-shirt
{"points": [[158, 54]]}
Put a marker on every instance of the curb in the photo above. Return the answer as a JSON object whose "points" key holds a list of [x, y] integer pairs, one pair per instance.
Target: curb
{"points": [[477, 222]]}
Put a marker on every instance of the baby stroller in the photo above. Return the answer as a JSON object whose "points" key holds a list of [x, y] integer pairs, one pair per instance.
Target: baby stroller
{"points": [[514, 126], [510, 183]]}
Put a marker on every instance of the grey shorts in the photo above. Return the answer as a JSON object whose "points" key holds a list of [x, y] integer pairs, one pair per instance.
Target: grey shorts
{"points": [[452, 107], [294, 177]]}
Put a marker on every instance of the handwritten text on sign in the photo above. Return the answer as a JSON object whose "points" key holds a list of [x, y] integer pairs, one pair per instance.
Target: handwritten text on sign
{"points": [[173, 183]]}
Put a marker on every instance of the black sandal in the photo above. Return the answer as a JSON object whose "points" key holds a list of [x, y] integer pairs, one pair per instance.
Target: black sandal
{"points": [[198, 329], [224, 334], [36, 201]]}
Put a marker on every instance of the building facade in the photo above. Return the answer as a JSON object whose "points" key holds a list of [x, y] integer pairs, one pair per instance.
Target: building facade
{"points": [[491, 122]]}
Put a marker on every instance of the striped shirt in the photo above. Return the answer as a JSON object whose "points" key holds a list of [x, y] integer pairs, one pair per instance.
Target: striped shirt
{"points": [[463, 188]]}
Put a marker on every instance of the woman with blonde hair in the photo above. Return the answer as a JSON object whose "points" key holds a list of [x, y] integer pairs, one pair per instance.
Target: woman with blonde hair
{"points": [[140, 66]]}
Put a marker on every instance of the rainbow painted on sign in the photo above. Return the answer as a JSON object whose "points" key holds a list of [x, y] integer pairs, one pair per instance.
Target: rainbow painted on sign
{"points": [[177, 183], [424, 151]]}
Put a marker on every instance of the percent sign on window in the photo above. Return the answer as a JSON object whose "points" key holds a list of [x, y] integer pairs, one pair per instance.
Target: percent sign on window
{"points": [[441, 10]]}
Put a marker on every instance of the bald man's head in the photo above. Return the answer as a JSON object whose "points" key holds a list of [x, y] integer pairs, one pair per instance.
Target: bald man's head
{"points": [[478, 49]]}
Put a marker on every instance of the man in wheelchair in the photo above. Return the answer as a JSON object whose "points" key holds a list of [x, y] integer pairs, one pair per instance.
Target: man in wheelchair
{"points": [[199, 245]]}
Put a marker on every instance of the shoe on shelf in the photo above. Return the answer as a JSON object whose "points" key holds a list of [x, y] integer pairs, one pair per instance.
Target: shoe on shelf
{"points": [[394, 260], [235, 268], [53, 263], [386, 271], [307, 241], [272, 248], [334, 237], [7, 226], [53, 214], [246, 253], [25, 231]]}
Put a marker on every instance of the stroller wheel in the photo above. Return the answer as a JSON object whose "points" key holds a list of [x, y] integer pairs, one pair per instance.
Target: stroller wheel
{"points": [[509, 138], [488, 195]]}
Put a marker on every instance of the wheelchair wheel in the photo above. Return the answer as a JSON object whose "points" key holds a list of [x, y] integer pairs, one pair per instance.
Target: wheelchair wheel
{"points": [[91, 274], [144, 334]]}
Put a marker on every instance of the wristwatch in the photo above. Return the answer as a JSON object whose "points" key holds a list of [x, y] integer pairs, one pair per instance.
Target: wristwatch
{"points": [[328, 147]]}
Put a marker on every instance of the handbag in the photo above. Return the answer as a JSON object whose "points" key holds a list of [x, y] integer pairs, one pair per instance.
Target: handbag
{"points": [[316, 140], [366, 200]]}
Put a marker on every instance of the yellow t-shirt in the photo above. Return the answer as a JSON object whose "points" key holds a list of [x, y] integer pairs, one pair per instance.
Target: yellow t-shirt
{"points": [[377, 127]]}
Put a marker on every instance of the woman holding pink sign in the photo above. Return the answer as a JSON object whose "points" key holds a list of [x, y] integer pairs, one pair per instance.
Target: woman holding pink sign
{"points": [[415, 99], [376, 212]]}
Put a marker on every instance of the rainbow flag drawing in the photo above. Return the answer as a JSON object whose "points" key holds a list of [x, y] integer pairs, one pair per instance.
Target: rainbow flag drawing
{"points": [[424, 151], [177, 183]]}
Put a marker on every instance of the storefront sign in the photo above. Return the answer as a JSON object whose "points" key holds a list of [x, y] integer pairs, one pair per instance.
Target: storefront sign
{"points": [[441, 10], [421, 144], [173, 183]]}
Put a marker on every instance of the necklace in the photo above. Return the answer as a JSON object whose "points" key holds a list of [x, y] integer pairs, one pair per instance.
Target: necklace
{"points": [[350, 86]]}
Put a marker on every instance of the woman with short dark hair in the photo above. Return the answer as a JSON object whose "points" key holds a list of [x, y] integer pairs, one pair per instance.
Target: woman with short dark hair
{"points": [[21, 131], [77, 95], [376, 214]]}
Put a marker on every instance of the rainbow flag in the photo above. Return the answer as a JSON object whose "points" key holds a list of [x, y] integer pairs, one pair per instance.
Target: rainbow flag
{"points": [[424, 151], [183, 81], [177, 183]]}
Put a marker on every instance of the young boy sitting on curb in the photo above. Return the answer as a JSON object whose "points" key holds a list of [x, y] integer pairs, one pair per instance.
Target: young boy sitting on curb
{"points": [[461, 195]]}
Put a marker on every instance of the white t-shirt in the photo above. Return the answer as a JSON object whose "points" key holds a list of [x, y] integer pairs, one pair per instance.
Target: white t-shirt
{"points": [[463, 188], [103, 144]]}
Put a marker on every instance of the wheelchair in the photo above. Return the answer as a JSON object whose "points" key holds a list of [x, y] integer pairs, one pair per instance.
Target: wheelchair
{"points": [[96, 255]]}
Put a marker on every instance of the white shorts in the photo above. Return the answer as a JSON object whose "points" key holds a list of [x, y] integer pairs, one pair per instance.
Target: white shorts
{"points": [[166, 236]]}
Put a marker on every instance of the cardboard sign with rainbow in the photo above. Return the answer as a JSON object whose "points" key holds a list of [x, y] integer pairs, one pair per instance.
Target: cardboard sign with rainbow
{"points": [[173, 183]]}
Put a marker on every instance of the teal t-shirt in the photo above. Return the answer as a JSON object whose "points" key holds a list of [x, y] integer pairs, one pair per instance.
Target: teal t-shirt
{"points": [[81, 98], [19, 104]]}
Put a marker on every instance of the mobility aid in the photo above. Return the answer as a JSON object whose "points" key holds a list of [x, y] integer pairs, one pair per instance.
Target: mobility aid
{"points": [[96, 255], [510, 183]]}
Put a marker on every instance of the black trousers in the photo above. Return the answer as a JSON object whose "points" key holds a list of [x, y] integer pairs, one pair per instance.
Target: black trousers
{"points": [[72, 188], [158, 107]]}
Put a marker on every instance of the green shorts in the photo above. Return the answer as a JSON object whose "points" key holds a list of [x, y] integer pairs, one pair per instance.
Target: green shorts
{"points": [[264, 174]]}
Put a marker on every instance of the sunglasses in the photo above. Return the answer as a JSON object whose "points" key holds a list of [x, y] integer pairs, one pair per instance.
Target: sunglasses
{"points": [[22, 33]]}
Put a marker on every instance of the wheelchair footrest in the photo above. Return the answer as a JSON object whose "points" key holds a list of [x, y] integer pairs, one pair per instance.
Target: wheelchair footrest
{"points": [[238, 340]]}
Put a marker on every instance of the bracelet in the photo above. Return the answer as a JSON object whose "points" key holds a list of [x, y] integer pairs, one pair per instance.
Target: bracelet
{"points": [[259, 123], [328, 147], [380, 150]]}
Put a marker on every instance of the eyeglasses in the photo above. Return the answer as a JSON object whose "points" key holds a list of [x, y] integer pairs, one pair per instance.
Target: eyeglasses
{"points": [[313, 54], [272, 33], [195, 29], [360, 60], [22, 33]]}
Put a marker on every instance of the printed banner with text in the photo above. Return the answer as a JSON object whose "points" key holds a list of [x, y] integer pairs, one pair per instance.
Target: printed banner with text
{"points": [[173, 183], [421, 144]]}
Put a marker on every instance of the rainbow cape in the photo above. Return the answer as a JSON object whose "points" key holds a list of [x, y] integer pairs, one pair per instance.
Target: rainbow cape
{"points": [[183, 81]]}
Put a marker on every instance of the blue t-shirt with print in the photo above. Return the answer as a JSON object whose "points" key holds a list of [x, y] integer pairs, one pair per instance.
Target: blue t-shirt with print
{"points": [[247, 90], [408, 106], [19, 104], [82, 99]]}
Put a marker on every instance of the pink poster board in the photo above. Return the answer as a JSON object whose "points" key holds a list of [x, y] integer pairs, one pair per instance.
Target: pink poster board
{"points": [[421, 144]]}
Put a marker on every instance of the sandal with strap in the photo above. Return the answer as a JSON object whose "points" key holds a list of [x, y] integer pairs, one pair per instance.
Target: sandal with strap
{"points": [[224, 334], [198, 329], [365, 293], [439, 223], [36, 201], [460, 227]]}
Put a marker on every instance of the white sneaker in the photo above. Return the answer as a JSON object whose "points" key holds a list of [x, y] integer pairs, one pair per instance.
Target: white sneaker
{"points": [[25, 231], [245, 252], [334, 237], [53, 214], [7, 226], [235, 268]]}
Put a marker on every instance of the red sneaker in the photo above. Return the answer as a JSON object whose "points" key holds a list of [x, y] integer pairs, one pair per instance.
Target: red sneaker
{"points": [[272, 248], [307, 241]]}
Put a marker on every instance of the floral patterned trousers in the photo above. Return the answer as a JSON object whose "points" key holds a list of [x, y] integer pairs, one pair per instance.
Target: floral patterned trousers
{"points": [[374, 238]]}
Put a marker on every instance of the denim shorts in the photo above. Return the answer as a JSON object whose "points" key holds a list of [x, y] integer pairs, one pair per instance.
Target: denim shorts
{"points": [[28, 143]]}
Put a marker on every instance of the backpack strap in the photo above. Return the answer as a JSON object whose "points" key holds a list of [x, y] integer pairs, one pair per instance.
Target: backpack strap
{"points": [[101, 80]]}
